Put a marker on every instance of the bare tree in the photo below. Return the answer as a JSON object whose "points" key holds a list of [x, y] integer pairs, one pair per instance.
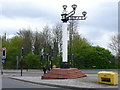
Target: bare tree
{"points": [[27, 37], [73, 30], [57, 42], [115, 46], [37, 42], [115, 43], [57, 37], [47, 39]]}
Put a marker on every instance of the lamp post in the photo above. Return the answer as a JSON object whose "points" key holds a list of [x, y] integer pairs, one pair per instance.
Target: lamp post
{"points": [[66, 17]]}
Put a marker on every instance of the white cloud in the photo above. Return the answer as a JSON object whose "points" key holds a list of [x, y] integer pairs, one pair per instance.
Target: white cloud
{"points": [[97, 36], [19, 23]]}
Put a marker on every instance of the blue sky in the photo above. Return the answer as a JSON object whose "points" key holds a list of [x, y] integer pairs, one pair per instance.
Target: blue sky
{"points": [[101, 23]]}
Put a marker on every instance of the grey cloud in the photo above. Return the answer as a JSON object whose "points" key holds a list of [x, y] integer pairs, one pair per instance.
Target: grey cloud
{"points": [[26, 9], [104, 17]]}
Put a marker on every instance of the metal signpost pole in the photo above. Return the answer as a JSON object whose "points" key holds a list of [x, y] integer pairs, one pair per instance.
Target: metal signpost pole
{"points": [[62, 72], [22, 53], [3, 58], [66, 17], [16, 62]]}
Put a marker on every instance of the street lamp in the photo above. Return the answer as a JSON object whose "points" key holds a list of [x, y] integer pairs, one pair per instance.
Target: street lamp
{"points": [[74, 6], [64, 7], [84, 13], [66, 17]]}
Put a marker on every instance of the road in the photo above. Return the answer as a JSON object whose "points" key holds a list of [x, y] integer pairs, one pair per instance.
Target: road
{"points": [[8, 83], [25, 73], [11, 84]]}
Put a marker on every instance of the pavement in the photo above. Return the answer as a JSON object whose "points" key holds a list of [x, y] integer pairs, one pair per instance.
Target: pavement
{"points": [[91, 81]]}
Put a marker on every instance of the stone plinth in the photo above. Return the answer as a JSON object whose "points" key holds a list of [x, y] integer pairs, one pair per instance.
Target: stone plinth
{"points": [[57, 73]]}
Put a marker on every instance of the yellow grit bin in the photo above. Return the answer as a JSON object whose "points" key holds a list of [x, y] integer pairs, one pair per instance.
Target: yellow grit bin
{"points": [[108, 77]]}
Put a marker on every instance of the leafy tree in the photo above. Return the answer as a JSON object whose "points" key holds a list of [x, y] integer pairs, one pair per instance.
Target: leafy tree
{"points": [[38, 46], [87, 56], [94, 57], [78, 44], [13, 50], [32, 61]]}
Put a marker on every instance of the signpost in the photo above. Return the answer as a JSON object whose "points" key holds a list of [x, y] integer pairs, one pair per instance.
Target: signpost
{"points": [[62, 72], [3, 57], [65, 18], [1, 54], [4, 53], [16, 62], [22, 54]]}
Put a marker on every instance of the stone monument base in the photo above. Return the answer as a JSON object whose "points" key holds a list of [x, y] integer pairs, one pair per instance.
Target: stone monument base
{"points": [[58, 73]]}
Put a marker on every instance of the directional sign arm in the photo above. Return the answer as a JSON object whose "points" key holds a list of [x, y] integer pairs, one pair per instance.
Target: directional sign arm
{"points": [[70, 14], [77, 18]]}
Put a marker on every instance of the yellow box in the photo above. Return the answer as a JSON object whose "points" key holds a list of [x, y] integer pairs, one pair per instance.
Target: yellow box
{"points": [[108, 77]]}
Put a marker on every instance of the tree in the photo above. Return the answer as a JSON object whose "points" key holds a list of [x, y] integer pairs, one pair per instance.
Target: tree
{"points": [[5, 41], [47, 39], [32, 61], [78, 44], [94, 57], [13, 50], [115, 43], [38, 43], [73, 30], [27, 40], [87, 56], [57, 43], [115, 47], [97, 57]]}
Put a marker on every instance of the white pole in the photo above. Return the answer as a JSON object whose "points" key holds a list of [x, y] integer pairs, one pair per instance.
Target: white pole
{"points": [[0, 49], [64, 41]]}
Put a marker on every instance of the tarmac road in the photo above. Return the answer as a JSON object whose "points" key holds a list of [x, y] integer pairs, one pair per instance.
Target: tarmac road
{"points": [[9, 84], [39, 73]]}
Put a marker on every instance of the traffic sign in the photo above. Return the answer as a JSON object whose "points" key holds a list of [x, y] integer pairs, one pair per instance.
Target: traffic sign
{"points": [[3, 52], [3, 59]]}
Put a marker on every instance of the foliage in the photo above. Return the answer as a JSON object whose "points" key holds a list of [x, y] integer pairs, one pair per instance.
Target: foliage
{"points": [[27, 40], [87, 56], [12, 50], [32, 61], [94, 57], [41, 47]]}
